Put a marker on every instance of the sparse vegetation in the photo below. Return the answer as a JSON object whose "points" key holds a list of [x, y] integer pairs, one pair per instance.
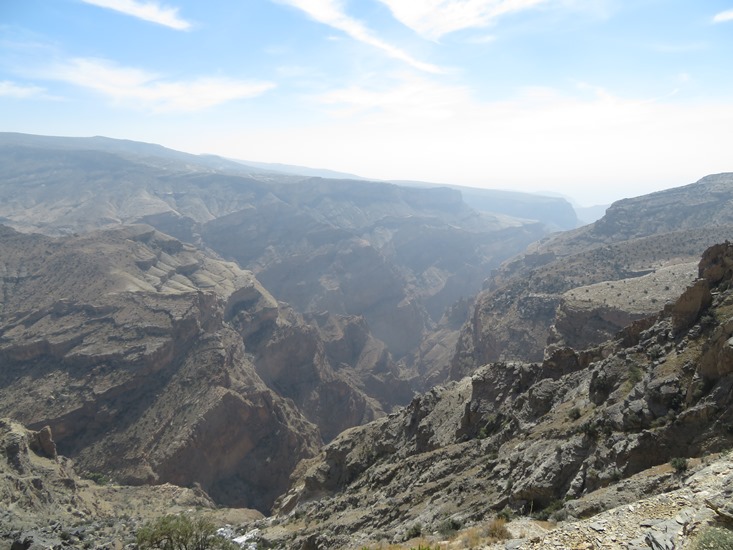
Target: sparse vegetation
{"points": [[449, 527], [679, 464], [590, 430], [414, 531], [506, 514], [545, 512], [635, 374], [497, 529], [98, 478], [574, 413], [714, 538], [181, 532]]}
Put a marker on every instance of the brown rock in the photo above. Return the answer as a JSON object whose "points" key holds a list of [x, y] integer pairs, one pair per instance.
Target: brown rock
{"points": [[42, 443]]}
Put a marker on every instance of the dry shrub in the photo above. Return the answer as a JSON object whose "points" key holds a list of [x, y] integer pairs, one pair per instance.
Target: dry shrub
{"points": [[497, 529], [471, 538]]}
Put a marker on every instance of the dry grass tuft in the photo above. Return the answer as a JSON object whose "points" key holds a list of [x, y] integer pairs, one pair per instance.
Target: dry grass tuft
{"points": [[497, 529]]}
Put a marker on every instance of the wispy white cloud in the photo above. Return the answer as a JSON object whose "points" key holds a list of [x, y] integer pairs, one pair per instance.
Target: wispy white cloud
{"points": [[435, 18], [421, 128], [147, 11], [679, 48], [331, 13], [482, 39], [142, 89], [20, 91], [411, 96], [723, 16]]}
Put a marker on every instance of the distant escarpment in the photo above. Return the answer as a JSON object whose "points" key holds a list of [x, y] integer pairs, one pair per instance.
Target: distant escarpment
{"points": [[522, 437], [397, 256], [580, 287], [153, 362]]}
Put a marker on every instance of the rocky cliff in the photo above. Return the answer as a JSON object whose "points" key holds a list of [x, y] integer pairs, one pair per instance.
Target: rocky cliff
{"points": [[153, 362], [523, 437], [579, 287]]}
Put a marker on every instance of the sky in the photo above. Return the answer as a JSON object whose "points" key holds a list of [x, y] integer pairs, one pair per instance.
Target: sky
{"points": [[594, 99]]}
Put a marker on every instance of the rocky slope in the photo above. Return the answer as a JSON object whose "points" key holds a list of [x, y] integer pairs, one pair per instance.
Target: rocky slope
{"points": [[554, 292], [525, 437], [688, 509], [153, 362], [44, 503]]}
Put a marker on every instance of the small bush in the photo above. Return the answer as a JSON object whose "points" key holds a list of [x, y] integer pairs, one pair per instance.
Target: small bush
{"points": [[679, 464], [590, 430], [506, 513], [181, 532], [714, 538], [497, 529], [448, 527], [635, 374], [414, 532], [545, 512], [99, 479], [574, 413]]}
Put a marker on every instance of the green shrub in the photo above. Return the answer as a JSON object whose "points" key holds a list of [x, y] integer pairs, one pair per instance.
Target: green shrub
{"points": [[679, 464], [590, 430], [181, 532], [714, 538], [99, 479], [545, 512], [574, 413], [414, 531], [635, 374], [506, 513], [449, 526]]}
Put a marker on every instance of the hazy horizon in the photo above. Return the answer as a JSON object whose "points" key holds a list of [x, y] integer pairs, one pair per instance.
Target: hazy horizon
{"points": [[595, 100]]}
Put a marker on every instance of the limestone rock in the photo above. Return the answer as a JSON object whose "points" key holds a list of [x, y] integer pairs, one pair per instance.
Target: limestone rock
{"points": [[42, 443]]}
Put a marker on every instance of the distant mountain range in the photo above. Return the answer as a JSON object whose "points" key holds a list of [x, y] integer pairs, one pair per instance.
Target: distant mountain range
{"points": [[118, 288]]}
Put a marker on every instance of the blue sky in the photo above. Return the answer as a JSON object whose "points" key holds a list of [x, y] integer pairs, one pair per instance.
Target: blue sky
{"points": [[595, 99]]}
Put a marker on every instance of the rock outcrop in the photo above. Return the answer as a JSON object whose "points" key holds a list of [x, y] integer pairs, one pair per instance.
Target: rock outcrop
{"points": [[591, 314]]}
